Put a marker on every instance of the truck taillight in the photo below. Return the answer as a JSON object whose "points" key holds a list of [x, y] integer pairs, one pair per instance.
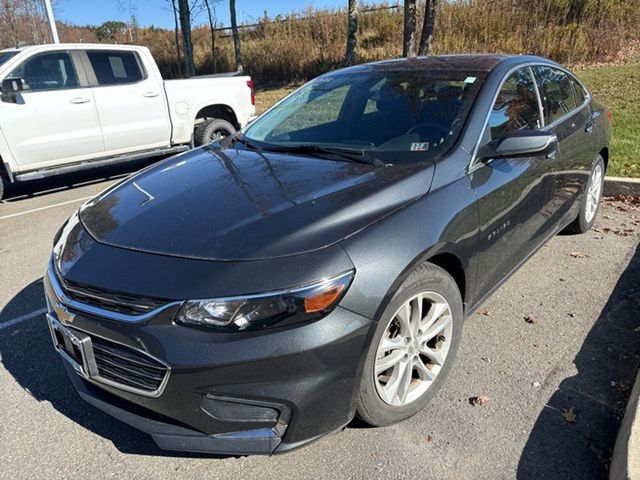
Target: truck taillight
{"points": [[253, 95]]}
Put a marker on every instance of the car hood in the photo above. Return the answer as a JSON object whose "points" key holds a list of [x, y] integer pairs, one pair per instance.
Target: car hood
{"points": [[243, 205]]}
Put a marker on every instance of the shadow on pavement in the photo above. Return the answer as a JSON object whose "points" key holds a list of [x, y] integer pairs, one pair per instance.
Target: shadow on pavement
{"points": [[35, 188], [610, 353], [26, 351]]}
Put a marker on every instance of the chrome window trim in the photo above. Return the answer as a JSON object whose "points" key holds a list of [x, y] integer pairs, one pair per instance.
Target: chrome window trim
{"points": [[100, 312], [473, 164]]}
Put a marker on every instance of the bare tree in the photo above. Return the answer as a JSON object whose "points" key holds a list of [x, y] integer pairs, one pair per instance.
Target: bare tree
{"points": [[236, 36], [211, 14], [352, 32], [176, 34], [184, 11], [426, 39], [409, 38]]}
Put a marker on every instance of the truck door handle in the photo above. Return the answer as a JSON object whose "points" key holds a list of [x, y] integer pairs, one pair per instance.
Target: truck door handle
{"points": [[79, 100], [589, 127], [150, 94]]}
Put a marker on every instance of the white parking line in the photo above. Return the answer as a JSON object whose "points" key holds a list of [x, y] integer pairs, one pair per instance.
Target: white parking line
{"points": [[45, 208], [22, 318]]}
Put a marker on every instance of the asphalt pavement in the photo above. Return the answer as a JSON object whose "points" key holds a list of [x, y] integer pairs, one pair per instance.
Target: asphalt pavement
{"points": [[555, 349]]}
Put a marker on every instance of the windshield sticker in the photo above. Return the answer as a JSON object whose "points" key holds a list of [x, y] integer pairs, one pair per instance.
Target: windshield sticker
{"points": [[470, 80], [419, 146]]}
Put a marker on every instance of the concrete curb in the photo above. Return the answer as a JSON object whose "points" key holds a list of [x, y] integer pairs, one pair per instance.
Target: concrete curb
{"points": [[625, 463], [621, 186]]}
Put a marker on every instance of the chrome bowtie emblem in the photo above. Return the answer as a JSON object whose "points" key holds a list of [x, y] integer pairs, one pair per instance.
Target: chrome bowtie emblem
{"points": [[63, 314]]}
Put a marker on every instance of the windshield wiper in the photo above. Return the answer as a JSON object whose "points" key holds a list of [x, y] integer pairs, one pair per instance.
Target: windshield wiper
{"points": [[351, 154]]}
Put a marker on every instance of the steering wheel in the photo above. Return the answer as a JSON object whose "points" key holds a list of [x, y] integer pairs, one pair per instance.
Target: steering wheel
{"points": [[430, 128]]}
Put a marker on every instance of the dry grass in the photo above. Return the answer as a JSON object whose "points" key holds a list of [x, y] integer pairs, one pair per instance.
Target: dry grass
{"points": [[299, 46]]}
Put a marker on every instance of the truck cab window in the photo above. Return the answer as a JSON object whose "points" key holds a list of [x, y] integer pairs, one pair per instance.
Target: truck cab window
{"points": [[115, 68], [48, 71]]}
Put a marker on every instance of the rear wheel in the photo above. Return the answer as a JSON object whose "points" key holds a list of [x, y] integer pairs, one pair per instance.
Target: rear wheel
{"points": [[211, 130], [591, 200], [413, 348]]}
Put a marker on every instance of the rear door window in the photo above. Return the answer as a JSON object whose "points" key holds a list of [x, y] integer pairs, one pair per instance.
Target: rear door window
{"points": [[556, 89], [47, 71], [516, 106], [115, 68]]}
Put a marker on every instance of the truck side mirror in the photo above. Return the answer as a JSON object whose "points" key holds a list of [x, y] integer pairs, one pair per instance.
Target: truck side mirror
{"points": [[12, 86]]}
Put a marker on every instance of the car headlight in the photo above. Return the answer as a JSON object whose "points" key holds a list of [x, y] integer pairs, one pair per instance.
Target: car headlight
{"points": [[251, 312]]}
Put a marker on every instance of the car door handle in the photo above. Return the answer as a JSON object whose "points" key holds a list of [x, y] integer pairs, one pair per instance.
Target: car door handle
{"points": [[150, 94], [79, 100], [589, 127], [552, 155]]}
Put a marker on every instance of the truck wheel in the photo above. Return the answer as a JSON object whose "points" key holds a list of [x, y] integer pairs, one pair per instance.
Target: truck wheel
{"points": [[211, 130], [3, 185]]}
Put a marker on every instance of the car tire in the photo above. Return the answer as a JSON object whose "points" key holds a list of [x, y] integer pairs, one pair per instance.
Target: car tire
{"points": [[590, 204], [211, 130], [377, 404]]}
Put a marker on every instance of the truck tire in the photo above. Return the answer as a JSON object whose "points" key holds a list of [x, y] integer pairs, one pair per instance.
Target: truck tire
{"points": [[3, 184], [211, 130]]}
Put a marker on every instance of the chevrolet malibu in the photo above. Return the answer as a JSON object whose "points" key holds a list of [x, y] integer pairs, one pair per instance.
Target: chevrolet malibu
{"points": [[257, 293]]}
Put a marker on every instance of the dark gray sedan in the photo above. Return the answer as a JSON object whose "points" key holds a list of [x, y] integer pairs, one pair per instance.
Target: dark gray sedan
{"points": [[257, 293]]}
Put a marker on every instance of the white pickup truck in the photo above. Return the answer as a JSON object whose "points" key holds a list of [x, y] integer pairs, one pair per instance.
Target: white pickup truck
{"points": [[67, 107]]}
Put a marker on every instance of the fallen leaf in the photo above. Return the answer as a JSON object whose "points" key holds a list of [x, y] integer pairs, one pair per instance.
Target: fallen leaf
{"points": [[530, 319], [569, 415], [578, 255], [484, 312], [480, 400], [429, 438]]}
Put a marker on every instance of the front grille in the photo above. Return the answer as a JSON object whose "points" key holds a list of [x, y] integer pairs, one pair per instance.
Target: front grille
{"points": [[108, 300], [126, 366]]}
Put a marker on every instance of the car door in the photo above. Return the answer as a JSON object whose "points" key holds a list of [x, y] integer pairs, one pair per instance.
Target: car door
{"points": [[131, 103], [54, 120], [513, 193], [567, 113]]}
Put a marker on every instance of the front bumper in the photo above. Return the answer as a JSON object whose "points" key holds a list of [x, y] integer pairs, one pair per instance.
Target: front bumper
{"points": [[242, 393]]}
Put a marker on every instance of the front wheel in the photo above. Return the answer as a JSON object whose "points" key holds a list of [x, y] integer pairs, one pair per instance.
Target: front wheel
{"points": [[413, 348], [591, 199], [211, 130]]}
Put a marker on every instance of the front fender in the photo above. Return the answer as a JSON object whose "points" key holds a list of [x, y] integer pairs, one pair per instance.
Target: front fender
{"points": [[443, 221]]}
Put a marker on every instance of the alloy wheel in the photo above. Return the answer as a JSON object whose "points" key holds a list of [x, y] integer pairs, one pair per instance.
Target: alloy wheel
{"points": [[413, 349], [593, 193]]}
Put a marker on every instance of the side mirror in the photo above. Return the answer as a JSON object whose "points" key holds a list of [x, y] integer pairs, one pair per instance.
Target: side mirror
{"points": [[12, 86], [524, 143]]}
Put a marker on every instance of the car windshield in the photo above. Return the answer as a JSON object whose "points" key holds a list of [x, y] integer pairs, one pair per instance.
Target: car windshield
{"points": [[4, 56], [396, 116]]}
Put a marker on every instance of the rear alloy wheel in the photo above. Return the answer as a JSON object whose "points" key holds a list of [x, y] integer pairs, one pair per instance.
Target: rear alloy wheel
{"points": [[212, 130], [591, 200], [413, 348]]}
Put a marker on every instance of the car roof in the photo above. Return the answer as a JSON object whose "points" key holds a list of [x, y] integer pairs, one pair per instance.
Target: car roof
{"points": [[482, 62]]}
